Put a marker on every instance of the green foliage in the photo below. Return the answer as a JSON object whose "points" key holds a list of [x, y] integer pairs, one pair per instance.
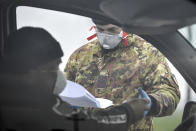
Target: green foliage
{"points": [[168, 123]]}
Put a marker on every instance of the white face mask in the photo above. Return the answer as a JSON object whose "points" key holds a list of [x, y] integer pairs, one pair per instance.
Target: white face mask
{"points": [[60, 83], [109, 41], [61, 108]]}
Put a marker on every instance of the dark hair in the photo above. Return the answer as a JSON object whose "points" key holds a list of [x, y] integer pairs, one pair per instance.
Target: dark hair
{"points": [[105, 22], [28, 48]]}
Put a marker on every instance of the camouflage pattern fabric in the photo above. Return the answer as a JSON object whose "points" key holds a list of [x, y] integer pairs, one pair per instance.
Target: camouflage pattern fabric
{"points": [[117, 74]]}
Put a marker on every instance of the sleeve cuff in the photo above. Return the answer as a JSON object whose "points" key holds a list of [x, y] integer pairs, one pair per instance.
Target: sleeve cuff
{"points": [[155, 108]]}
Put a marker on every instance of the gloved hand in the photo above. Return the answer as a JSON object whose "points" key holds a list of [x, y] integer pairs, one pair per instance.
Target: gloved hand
{"points": [[136, 108], [143, 94]]}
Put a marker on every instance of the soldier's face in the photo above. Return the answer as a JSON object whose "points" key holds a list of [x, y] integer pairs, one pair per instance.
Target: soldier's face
{"points": [[109, 28], [109, 35]]}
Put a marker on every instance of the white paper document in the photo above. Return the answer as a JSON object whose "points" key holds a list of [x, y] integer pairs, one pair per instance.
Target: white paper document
{"points": [[77, 95]]}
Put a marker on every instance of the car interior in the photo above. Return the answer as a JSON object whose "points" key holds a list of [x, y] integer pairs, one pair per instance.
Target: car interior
{"points": [[155, 21]]}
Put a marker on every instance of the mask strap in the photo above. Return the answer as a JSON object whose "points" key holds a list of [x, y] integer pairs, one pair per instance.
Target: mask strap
{"points": [[125, 38], [93, 27], [92, 36]]}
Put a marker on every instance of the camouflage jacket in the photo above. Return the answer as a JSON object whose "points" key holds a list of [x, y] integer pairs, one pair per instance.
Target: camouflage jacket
{"points": [[116, 74]]}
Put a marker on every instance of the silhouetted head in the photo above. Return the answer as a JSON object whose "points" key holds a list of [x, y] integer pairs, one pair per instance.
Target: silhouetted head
{"points": [[30, 65], [28, 48]]}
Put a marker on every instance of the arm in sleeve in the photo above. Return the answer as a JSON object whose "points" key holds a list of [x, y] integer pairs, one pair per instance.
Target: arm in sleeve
{"points": [[71, 67], [160, 84]]}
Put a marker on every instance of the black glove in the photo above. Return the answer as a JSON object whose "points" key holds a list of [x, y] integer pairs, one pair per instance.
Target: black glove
{"points": [[135, 108], [129, 112]]}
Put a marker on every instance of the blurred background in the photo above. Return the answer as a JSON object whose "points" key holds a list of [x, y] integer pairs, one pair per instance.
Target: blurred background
{"points": [[72, 32]]}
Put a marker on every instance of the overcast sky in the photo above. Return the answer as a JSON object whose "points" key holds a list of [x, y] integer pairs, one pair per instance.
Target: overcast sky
{"points": [[71, 31]]}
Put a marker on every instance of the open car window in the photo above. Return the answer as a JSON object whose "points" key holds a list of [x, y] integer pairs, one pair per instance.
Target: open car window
{"points": [[72, 32]]}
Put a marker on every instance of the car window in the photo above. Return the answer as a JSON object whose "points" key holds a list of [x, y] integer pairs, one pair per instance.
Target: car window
{"points": [[72, 32], [189, 32]]}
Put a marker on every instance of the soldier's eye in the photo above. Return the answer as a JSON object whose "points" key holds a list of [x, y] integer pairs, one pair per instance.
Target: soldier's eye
{"points": [[112, 29], [100, 29]]}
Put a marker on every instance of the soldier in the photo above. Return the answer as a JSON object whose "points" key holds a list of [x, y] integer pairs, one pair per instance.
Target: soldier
{"points": [[116, 65]]}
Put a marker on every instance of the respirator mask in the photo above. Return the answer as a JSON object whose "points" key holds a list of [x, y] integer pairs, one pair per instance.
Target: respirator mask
{"points": [[109, 41], [60, 83], [61, 108]]}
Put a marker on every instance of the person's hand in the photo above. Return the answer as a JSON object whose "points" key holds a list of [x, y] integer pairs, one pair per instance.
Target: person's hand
{"points": [[136, 108], [127, 113], [143, 94]]}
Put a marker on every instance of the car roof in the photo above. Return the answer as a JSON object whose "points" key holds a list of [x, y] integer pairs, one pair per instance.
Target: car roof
{"points": [[137, 16]]}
